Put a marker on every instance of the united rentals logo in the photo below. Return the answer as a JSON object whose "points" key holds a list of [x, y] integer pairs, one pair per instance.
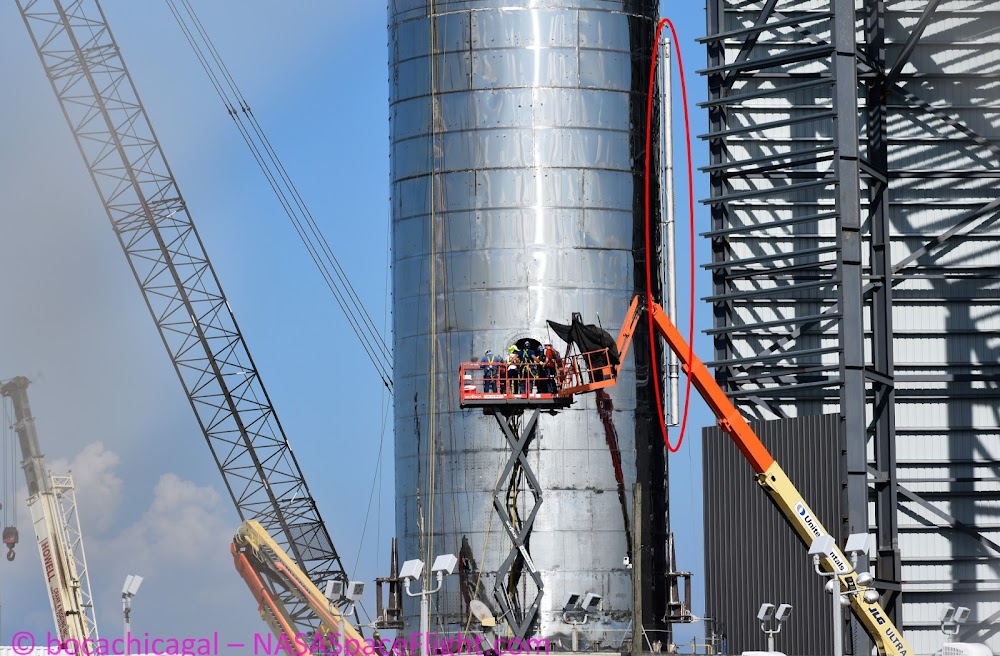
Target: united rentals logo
{"points": [[807, 519], [817, 531]]}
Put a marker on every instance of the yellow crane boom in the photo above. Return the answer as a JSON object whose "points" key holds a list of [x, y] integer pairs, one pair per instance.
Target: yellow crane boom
{"points": [[272, 575]]}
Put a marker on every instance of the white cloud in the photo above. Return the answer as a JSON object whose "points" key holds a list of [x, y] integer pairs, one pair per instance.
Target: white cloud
{"points": [[179, 544], [182, 524], [98, 487]]}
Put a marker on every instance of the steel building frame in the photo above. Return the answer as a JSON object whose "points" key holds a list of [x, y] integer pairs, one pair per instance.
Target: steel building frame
{"points": [[803, 96]]}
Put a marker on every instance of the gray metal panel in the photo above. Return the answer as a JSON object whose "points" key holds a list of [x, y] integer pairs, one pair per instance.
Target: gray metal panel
{"points": [[752, 556], [515, 189]]}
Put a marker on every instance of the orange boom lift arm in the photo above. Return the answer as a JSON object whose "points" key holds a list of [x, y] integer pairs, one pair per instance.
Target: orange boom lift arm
{"points": [[772, 479]]}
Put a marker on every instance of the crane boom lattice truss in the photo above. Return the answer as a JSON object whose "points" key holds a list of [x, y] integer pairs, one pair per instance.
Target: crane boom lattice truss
{"points": [[179, 284], [72, 540]]}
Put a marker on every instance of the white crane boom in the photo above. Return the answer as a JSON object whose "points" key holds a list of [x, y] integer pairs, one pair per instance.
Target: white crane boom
{"points": [[52, 502]]}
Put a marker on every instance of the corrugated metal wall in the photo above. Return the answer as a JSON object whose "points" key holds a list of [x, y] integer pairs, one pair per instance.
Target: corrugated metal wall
{"points": [[753, 555], [946, 315]]}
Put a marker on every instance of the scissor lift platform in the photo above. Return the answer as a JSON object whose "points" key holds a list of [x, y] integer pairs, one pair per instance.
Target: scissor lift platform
{"points": [[576, 374]]}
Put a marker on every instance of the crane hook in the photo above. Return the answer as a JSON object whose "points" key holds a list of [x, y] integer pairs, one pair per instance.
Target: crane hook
{"points": [[10, 538]]}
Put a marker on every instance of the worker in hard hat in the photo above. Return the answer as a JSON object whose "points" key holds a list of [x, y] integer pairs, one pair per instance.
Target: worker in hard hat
{"points": [[552, 364], [490, 372], [515, 381]]}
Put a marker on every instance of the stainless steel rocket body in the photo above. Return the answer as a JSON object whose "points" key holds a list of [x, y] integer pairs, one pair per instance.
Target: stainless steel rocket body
{"points": [[517, 138]]}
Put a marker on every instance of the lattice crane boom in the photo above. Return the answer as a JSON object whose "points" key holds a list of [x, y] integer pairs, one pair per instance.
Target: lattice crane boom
{"points": [[182, 292]]}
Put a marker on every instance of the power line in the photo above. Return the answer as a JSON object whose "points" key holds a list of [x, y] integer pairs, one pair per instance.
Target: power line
{"points": [[284, 188]]}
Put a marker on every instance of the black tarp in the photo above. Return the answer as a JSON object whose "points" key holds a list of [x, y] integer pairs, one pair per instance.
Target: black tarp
{"points": [[587, 338]]}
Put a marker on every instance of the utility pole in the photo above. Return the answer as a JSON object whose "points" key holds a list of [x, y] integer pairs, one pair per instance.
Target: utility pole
{"points": [[637, 571]]}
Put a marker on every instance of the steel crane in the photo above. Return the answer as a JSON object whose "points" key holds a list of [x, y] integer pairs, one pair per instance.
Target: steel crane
{"points": [[182, 292], [52, 502]]}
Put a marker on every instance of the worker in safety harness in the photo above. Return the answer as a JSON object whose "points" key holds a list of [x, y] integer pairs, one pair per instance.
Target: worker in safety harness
{"points": [[515, 381], [553, 364], [490, 372]]}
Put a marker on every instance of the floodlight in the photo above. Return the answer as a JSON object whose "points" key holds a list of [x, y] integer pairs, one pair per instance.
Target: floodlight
{"points": [[859, 543], [766, 612], [132, 583], [591, 602], [412, 569], [871, 596], [948, 616], [865, 579], [822, 546], [577, 606], [961, 615], [482, 613], [784, 612], [355, 590], [445, 563], [334, 590], [572, 602]]}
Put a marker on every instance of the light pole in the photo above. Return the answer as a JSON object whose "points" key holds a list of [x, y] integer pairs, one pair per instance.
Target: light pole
{"points": [[952, 620], [576, 612], [951, 625], [413, 569], [344, 599], [132, 583], [771, 621], [858, 544]]}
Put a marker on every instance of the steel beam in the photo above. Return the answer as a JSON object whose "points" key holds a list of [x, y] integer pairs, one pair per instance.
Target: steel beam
{"points": [[911, 41], [851, 331], [888, 565]]}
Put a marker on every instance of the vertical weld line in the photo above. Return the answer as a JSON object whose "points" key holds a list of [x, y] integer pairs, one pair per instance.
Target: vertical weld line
{"points": [[432, 399]]}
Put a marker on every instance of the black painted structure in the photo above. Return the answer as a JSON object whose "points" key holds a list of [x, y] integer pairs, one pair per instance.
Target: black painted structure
{"points": [[755, 555], [820, 116]]}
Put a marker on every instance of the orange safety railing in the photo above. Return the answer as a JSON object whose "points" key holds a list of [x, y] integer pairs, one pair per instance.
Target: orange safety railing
{"points": [[577, 372], [527, 382], [583, 372]]}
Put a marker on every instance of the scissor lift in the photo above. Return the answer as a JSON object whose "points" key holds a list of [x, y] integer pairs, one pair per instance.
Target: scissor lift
{"points": [[574, 374], [506, 398]]}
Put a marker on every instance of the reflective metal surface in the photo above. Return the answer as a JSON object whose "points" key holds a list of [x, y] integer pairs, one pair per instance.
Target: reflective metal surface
{"points": [[516, 198]]}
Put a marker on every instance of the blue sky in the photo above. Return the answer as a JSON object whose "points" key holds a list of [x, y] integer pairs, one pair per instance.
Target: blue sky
{"points": [[105, 396]]}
